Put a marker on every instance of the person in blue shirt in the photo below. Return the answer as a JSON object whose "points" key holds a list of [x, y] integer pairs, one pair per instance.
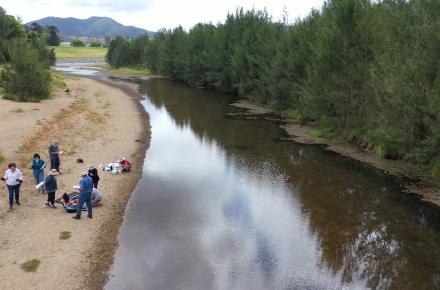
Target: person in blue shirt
{"points": [[85, 195], [38, 166]]}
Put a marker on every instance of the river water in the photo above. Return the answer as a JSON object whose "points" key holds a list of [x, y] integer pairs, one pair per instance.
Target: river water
{"points": [[225, 204]]}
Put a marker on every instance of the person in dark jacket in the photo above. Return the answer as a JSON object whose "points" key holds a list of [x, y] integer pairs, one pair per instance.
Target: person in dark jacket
{"points": [[50, 185], [38, 166], [54, 154], [93, 173]]}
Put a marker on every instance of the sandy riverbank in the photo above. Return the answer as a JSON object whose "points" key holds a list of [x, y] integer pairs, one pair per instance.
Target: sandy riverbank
{"points": [[411, 177], [96, 122]]}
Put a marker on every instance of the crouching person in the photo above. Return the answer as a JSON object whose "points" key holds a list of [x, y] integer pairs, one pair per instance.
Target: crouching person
{"points": [[85, 195]]}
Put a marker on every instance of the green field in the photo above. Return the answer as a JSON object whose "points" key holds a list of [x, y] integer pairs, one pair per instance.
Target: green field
{"points": [[73, 52]]}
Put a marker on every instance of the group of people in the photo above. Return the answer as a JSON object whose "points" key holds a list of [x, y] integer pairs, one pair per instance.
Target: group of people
{"points": [[48, 184]]}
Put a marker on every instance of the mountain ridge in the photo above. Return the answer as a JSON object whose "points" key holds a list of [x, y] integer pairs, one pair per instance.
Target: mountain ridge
{"points": [[94, 26]]}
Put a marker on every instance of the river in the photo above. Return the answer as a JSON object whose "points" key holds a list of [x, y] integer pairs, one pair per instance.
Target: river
{"points": [[223, 203]]}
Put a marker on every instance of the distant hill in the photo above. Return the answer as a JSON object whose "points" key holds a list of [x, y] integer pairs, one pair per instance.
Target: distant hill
{"points": [[97, 27]]}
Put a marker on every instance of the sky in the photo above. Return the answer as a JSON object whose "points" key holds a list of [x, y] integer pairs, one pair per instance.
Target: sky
{"points": [[154, 14]]}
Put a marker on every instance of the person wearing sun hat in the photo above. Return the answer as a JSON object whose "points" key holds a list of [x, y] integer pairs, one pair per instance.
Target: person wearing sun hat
{"points": [[50, 186], [85, 195]]}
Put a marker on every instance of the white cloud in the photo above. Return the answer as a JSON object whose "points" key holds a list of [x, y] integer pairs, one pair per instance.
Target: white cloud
{"points": [[112, 5], [154, 14]]}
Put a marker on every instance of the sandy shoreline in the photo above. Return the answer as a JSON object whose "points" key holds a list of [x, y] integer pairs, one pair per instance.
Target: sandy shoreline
{"points": [[95, 121], [408, 175]]}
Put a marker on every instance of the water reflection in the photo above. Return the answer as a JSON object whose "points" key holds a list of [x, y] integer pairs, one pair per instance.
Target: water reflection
{"points": [[224, 205]]}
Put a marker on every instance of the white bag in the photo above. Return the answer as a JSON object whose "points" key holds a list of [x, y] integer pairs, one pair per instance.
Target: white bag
{"points": [[39, 185]]}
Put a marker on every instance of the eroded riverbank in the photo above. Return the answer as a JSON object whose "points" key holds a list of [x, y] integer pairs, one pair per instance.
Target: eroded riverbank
{"points": [[412, 178]]}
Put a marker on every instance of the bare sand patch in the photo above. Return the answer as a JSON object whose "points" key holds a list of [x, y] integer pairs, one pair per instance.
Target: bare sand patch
{"points": [[97, 123]]}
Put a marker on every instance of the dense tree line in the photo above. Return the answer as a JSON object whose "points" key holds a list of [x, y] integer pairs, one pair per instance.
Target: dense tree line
{"points": [[366, 70], [49, 33], [24, 61]]}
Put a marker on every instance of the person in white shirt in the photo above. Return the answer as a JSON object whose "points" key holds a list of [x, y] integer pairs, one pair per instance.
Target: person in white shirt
{"points": [[96, 195], [13, 178]]}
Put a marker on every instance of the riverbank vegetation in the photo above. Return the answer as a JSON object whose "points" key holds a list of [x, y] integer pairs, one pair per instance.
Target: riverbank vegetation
{"points": [[364, 70], [25, 61], [133, 70]]}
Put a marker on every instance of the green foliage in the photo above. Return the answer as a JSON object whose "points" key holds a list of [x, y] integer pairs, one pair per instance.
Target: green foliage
{"points": [[2, 158], [49, 34], [316, 133], [65, 235], [25, 77], [124, 52], [369, 67], [31, 265], [53, 39], [95, 43], [76, 42]]}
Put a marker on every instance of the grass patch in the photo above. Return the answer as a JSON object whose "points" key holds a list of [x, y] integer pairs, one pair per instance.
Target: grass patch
{"points": [[58, 80], [31, 265], [94, 117], [316, 133], [77, 52], [2, 158], [135, 70], [17, 110], [64, 235]]}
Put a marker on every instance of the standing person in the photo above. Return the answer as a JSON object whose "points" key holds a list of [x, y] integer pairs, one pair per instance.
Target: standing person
{"points": [[85, 195], [13, 178], [38, 166], [50, 186], [93, 173], [54, 154]]}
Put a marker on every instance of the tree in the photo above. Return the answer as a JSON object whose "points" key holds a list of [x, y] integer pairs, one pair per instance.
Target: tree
{"points": [[54, 39], [25, 77], [76, 42], [95, 43]]}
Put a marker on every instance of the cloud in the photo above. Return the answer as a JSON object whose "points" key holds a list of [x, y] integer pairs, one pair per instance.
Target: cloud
{"points": [[113, 5]]}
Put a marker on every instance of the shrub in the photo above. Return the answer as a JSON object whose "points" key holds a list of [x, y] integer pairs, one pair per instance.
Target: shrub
{"points": [[25, 78], [64, 235], [31, 265], [316, 133], [76, 42], [2, 158], [95, 43]]}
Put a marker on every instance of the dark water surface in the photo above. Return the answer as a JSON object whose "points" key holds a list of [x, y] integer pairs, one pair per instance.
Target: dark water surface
{"points": [[224, 204]]}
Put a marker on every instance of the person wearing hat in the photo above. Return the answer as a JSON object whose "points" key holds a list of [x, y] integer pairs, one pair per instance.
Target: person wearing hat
{"points": [[85, 195], [54, 154], [50, 186], [14, 178]]}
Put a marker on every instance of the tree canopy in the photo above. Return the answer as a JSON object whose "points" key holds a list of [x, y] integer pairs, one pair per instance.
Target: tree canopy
{"points": [[366, 70]]}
